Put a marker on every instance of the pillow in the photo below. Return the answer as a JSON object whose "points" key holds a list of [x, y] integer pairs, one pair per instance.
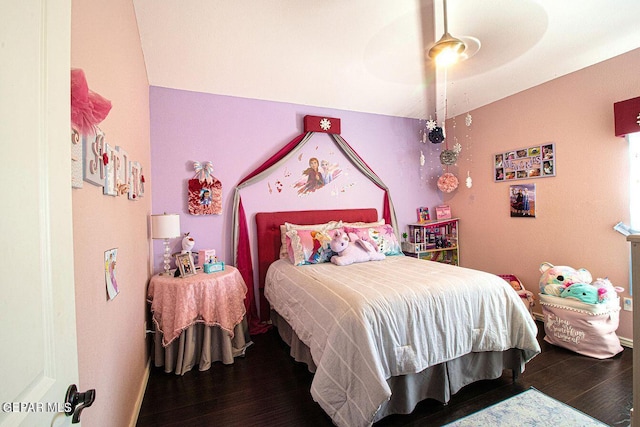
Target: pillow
{"points": [[382, 236], [364, 224], [284, 253], [309, 246]]}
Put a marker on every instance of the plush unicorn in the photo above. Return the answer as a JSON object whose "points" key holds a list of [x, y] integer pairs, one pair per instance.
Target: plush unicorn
{"points": [[351, 249]]}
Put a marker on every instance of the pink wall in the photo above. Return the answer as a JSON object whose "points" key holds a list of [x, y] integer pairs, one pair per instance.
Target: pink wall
{"points": [[577, 209], [237, 135], [112, 351]]}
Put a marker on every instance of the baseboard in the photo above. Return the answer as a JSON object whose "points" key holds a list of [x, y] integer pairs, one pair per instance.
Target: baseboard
{"points": [[625, 342], [143, 388]]}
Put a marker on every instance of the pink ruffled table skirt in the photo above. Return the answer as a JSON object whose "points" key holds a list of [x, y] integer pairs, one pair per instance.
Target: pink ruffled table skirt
{"points": [[215, 299]]}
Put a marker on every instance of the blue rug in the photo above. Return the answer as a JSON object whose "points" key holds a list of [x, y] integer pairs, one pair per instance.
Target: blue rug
{"points": [[530, 408]]}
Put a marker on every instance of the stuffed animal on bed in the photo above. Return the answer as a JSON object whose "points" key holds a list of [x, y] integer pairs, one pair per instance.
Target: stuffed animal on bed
{"points": [[351, 249], [555, 278]]}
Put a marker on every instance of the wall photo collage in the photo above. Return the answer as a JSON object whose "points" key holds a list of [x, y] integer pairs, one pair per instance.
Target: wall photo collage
{"points": [[538, 161]]}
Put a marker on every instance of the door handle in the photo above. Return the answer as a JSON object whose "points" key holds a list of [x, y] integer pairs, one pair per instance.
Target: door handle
{"points": [[75, 402]]}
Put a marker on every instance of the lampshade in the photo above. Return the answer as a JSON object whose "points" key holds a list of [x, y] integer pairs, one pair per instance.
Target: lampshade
{"points": [[166, 226]]}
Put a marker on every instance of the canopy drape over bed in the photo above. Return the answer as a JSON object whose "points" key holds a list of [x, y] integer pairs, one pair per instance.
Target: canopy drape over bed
{"points": [[240, 233]]}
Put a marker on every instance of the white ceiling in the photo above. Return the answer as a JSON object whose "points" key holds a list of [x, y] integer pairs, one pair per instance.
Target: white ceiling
{"points": [[369, 55]]}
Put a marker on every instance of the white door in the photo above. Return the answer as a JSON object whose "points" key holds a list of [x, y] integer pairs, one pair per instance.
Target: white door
{"points": [[38, 352]]}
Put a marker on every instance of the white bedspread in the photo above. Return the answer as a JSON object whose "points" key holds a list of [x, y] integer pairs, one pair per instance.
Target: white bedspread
{"points": [[367, 322]]}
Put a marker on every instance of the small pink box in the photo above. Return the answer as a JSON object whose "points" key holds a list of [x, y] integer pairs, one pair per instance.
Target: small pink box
{"points": [[206, 256], [443, 212]]}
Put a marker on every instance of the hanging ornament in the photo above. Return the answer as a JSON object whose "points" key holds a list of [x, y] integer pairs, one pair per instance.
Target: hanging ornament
{"points": [[457, 148], [448, 157], [469, 181], [436, 136], [447, 182], [431, 124], [421, 158], [468, 120]]}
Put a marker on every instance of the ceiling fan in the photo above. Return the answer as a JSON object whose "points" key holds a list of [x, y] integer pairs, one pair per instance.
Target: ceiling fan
{"points": [[450, 50]]}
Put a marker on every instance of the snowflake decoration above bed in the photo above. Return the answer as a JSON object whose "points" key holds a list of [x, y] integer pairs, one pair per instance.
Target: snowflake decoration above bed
{"points": [[325, 124], [431, 124], [457, 148]]}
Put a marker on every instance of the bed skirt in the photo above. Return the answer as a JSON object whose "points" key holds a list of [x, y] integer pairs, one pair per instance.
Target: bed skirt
{"points": [[201, 345], [438, 382]]}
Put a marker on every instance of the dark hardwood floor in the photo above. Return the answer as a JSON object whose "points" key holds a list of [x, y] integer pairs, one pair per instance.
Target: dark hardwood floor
{"points": [[267, 388]]}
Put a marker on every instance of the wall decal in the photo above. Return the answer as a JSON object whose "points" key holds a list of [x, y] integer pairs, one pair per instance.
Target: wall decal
{"points": [[318, 174]]}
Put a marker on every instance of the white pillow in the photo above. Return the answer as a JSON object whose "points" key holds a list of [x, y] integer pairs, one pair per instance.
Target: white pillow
{"points": [[364, 224]]}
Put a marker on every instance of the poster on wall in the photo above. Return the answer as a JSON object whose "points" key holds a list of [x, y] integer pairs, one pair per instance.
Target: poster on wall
{"points": [[110, 273], [522, 200], [538, 161]]}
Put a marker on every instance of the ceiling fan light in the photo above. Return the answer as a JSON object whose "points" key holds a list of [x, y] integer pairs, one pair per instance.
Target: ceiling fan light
{"points": [[447, 50]]}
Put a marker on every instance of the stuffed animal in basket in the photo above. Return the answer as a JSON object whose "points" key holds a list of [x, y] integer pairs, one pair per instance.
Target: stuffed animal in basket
{"points": [[351, 249], [555, 278], [584, 292], [606, 290]]}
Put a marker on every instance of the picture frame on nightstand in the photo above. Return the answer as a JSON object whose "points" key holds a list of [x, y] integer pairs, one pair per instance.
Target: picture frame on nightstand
{"points": [[185, 265]]}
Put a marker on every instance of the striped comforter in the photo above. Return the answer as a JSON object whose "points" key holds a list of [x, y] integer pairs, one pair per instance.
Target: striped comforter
{"points": [[367, 322]]}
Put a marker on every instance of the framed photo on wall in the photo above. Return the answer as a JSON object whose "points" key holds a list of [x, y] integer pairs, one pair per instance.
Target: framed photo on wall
{"points": [[538, 161], [185, 265]]}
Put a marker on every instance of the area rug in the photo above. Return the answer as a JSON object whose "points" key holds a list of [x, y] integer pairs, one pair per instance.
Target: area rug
{"points": [[530, 408]]}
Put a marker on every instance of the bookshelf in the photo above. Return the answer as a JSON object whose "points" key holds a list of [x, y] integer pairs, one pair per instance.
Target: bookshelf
{"points": [[435, 240]]}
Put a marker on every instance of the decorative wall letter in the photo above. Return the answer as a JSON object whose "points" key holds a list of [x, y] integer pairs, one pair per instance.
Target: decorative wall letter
{"points": [[76, 159], [93, 169], [109, 159]]}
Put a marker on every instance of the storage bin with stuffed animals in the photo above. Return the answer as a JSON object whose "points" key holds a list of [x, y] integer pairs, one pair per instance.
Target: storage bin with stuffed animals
{"points": [[580, 315]]}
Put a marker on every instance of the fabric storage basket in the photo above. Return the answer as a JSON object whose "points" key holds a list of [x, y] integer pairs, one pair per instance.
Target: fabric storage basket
{"points": [[588, 329]]}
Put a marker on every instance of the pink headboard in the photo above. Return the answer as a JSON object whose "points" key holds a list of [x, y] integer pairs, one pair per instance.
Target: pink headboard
{"points": [[268, 231]]}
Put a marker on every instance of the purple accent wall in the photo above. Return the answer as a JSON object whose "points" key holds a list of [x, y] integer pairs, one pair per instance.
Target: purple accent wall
{"points": [[237, 135]]}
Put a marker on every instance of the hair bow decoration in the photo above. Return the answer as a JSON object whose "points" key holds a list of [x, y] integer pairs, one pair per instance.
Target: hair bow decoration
{"points": [[204, 171]]}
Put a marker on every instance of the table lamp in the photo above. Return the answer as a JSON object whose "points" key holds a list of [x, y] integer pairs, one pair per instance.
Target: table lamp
{"points": [[165, 226]]}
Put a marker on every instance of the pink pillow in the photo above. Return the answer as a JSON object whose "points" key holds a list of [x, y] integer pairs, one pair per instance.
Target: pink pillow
{"points": [[381, 236], [309, 246]]}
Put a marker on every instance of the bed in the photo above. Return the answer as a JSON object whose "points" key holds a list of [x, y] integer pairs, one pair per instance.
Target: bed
{"points": [[384, 335]]}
